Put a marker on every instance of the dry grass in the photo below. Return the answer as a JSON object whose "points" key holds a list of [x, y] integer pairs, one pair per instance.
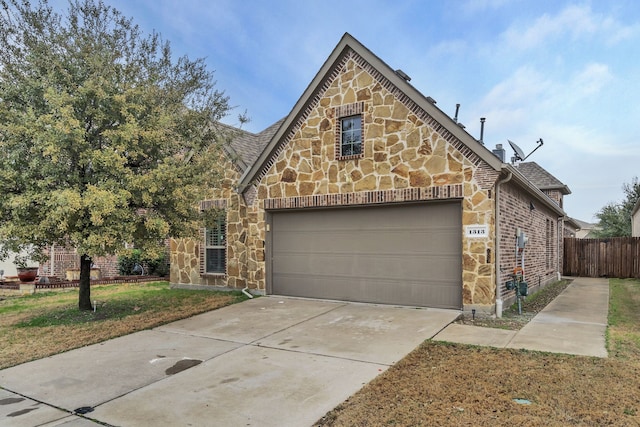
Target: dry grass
{"points": [[442, 384], [438, 384], [513, 320], [33, 327]]}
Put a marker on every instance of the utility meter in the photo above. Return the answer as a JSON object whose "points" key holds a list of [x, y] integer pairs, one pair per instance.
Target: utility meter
{"points": [[521, 239]]}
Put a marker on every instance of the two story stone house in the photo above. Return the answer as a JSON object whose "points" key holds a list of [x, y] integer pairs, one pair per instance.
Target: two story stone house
{"points": [[368, 192]]}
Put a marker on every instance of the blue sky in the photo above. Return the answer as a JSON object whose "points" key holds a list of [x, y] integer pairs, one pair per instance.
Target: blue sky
{"points": [[564, 71]]}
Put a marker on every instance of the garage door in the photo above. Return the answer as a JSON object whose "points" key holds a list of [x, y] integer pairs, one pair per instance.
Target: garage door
{"points": [[402, 254]]}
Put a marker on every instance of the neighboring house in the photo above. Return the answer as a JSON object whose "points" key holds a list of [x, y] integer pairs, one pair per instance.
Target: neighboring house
{"points": [[587, 230], [61, 259], [635, 220], [368, 192], [7, 267]]}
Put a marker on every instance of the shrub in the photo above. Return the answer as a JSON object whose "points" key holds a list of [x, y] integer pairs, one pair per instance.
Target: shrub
{"points": [[129, 264]]}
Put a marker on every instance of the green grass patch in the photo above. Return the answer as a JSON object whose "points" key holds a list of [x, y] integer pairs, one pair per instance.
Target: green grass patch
{"points": [[623, 333], [47, 323], [115, 303], [624, 302]]}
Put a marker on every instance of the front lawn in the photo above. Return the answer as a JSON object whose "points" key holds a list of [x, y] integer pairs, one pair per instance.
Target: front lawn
{"points": [[46, 323], [442, 384]]}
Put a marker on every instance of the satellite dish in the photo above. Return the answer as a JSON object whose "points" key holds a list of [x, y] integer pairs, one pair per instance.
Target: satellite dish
{"points": [[519, 154]]}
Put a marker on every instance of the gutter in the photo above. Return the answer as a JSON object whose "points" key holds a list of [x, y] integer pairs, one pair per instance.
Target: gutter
{"points": [[497, 248], [533, 190]]}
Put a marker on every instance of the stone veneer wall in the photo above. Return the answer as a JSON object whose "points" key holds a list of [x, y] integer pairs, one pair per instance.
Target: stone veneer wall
{"points": [[187, 256], [404, 149], [185, 261]]}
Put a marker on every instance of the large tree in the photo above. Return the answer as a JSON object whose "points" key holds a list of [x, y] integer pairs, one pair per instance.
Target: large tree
{"points": [[105, 138], [615, 218]]}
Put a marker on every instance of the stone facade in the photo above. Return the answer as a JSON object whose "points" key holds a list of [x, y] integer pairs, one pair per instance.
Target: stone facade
{"points": [[406, 156], [402, 153]]}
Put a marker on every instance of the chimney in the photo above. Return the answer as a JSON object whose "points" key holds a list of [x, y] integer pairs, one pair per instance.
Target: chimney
{"points": [[455, 119], [499, 152], [482, 119]]}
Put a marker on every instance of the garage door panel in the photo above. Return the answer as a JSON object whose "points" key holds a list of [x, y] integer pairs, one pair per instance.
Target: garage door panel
{"points": [[405, 254], [375, 290], [389, 267]]}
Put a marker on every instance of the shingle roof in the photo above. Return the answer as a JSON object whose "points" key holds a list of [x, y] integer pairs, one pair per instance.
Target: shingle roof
{"points": [[541, 178], [584, 225], [246, 146]]}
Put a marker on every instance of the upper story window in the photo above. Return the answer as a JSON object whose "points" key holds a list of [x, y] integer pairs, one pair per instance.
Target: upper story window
{"points": [[349, 131], [216, 247], [350, 136]]}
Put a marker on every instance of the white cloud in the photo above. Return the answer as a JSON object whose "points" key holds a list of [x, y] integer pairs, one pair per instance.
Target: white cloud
{"points": [[591, 79], [478, 5], [524, 86], [573, 21]]}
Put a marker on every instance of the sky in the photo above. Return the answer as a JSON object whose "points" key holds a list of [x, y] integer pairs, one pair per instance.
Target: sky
{"points": [[564, 71]]}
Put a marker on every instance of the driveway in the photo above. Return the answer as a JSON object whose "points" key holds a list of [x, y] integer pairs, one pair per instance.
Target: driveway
{"points": [[269, 361]]}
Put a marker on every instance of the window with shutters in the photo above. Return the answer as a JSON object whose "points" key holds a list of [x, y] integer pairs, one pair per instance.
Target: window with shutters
{"points": [[216, 247]]}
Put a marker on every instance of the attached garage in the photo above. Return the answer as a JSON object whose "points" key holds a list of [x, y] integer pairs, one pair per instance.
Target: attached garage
{"points": [[406, 254]]}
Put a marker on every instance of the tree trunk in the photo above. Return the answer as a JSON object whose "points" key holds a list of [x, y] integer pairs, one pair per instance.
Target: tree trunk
{"points": [[84, 302]]}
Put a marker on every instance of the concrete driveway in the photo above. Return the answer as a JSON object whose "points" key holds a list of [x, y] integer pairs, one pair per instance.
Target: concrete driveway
{"points": [[270, 361]]}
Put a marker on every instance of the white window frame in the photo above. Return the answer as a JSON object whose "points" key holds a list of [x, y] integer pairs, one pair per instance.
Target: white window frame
{"points": [[215, 238]]}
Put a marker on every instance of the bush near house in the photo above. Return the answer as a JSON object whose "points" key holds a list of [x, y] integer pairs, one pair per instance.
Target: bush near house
{"points": [[129, 264]]}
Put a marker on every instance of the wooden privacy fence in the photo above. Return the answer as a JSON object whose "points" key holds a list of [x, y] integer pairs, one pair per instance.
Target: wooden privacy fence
{"points": [[614, 257]]}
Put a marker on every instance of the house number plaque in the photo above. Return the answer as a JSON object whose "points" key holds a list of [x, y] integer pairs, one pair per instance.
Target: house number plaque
{"points": [[477, 231]]}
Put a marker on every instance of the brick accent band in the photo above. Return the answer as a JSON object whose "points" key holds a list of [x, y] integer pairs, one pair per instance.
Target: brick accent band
{"points": [[454, 191], [213, 204]]}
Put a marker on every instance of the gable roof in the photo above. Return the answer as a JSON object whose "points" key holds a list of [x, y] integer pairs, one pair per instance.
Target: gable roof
{"points": [[258, 149], [245, 147], [531, 188], [584, 225], [541, 178], [308, 99]]}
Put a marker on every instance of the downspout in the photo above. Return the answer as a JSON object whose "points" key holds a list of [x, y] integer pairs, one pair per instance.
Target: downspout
{"points": [[559, 239], [497, 248]]}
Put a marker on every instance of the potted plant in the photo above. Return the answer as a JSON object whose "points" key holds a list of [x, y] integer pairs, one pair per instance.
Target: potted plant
{"points": [[26, 272]]}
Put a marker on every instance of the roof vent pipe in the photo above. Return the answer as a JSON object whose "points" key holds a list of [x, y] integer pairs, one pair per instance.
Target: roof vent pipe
{"points": [[455, 119], [482, 119], [403, 75]]}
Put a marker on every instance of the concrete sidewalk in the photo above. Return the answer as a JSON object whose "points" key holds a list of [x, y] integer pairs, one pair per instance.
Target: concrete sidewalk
{"points": [[574, 323], [265, 362]]}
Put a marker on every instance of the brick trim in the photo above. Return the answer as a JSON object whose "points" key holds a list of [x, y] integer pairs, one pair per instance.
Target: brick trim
{"points": [[415, 109], [344, 111], [349, 109], [302, 117], [454, 191], [213, 204], [387, 84]]}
